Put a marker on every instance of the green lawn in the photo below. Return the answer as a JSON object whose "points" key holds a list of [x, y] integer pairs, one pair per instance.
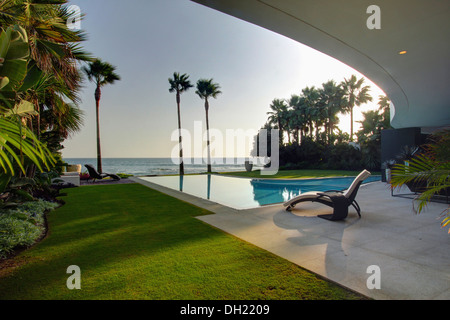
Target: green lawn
{"points": [[298, 174], [132, 242]]}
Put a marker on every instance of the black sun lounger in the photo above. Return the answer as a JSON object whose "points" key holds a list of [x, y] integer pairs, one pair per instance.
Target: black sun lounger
{"points": [[338, 200], [93, 174]]}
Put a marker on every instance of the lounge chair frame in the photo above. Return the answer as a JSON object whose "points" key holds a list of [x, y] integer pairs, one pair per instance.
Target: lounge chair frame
{"points": [[339, 200], [94, 175]]}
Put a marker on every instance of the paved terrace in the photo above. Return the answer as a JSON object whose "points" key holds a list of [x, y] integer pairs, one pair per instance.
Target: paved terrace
{"points": [[411, 250]]}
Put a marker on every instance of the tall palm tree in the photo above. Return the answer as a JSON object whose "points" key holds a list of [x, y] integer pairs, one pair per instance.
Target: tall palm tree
{"points": [[179, 84], [384, 105], [311, 98], [331, 102], [277, 115], [206, 89], [356, 95], [296, 119], [101, 73]]}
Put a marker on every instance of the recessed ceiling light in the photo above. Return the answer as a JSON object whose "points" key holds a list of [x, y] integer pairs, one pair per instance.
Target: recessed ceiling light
{"points": [[402, 52]]}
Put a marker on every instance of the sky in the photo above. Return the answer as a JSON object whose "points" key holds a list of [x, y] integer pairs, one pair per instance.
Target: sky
{"points": [[148, 40]]}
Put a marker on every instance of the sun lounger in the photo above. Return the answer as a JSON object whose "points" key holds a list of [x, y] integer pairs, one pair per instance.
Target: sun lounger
{"points": [[338, 200], [93, 174]]}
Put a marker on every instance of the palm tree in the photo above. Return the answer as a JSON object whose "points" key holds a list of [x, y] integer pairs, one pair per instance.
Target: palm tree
{"points": [[53, 46], [356, 95], [311, 98], [331, 102], [431, 169], [277, 115], [384, 105], [17, 142], [179, 84], [296, 119], [101, 73], [206, 89]]}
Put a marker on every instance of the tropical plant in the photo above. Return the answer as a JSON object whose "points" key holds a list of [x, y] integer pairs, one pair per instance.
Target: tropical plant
{"points": [[384, 105], [16, 140], [356, 94], [331, 102], [54, 50], [206, 89], [102, 74], [310, 104], [51, 74], [277, 115], [430, 169], [53, 46], [179, 84], [297, 119]]}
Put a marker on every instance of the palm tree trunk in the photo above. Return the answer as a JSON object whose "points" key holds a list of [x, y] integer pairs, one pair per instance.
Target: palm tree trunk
{"points": [[208, 144], [351, 124], [97, 109], [180, 139], [281, 132]]}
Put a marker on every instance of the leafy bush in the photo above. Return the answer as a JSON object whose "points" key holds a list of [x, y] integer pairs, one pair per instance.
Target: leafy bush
{"points": [[15, 233], [342, 156], [304, 156], [22, 226], [315, 155]]}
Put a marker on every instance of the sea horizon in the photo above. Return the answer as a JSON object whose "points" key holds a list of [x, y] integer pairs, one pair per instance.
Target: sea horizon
{"points": [[158, 165]]}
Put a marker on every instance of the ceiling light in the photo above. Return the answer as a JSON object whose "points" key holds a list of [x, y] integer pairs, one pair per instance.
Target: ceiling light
{"points": [[402, 52]]}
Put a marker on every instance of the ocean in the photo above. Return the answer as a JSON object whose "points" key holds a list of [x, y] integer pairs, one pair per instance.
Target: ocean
{"points": [[155, 166]]}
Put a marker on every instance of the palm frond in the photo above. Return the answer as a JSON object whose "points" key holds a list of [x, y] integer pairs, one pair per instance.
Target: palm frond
{"points": [[15, 137]]}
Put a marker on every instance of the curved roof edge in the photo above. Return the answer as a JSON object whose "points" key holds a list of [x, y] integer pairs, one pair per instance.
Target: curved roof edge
{"points": [[416, 82]]}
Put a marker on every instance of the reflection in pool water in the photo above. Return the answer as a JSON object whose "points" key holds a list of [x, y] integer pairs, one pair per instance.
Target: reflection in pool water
{"points": [[244, 193]]}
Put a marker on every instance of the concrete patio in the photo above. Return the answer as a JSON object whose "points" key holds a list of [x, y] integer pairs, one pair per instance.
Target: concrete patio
{"points": [[411, 250]]}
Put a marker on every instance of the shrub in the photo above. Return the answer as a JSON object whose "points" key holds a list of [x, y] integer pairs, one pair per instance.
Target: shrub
{"points": [[22, 226], [342, 156], [314, 155], [15, 233]]}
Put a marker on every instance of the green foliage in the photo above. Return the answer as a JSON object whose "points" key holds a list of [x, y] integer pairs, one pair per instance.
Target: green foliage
{"points": [[14, 52], [15, 232], [311, 118], [311, 154], [16, 140], [430, 170], [101, 73], [342, 156], [23, 225]]}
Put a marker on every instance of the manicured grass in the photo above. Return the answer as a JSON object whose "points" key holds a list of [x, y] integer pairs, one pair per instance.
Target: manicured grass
{"points": [[297, 174], [132, 242]]}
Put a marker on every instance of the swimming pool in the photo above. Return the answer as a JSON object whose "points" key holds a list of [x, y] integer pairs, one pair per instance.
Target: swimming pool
{"points": [[245, 193]]}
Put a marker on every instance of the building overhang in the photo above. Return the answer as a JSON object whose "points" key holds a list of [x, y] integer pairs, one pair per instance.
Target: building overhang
{"points": [[417, 83]]}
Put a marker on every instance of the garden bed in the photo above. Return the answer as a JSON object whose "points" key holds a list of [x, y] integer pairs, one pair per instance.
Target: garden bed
{"points": [[23, 226]]}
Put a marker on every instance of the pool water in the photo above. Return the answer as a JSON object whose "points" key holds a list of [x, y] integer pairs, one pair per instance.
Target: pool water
{"points": [[244, 193]]}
